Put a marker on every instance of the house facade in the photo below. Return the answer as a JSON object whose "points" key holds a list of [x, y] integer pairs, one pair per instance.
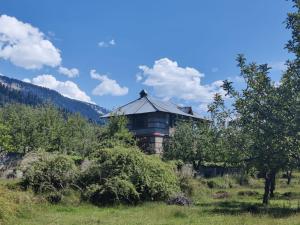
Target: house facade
{"points": [[152, 120]]}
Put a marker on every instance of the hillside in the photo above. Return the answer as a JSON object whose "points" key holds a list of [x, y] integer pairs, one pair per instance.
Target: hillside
{"points": [[16, 91]]}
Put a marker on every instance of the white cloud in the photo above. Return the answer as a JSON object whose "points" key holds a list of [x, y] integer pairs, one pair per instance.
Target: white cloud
{"points": [[71, 73], [25, 46], [103, 44], [139, 77], [68, 88], [172, 81], [27, 80], [107, 86], [112, 42]]}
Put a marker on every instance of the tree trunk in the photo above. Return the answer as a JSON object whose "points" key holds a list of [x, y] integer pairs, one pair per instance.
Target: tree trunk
{"points": [[272, 185], [289, 177], [267, 189]]}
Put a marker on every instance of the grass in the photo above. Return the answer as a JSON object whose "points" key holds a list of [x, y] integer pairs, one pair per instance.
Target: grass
{"points": [[233, 209]]}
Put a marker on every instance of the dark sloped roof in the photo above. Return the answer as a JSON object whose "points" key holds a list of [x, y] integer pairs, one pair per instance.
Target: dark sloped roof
{"points": [[147, 104]]}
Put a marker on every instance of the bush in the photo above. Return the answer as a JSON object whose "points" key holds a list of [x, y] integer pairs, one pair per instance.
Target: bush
{"points": [[114, 190], [50, 174], [221, 182], [127, 175], [242, 179], [54, 197], [186, 186]]}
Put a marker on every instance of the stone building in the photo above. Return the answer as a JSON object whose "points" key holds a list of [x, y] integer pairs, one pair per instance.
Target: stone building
{"points": [[152, 120]]}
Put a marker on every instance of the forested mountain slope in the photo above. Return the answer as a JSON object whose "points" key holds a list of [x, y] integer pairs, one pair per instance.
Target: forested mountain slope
{"points": [[16, 91]]}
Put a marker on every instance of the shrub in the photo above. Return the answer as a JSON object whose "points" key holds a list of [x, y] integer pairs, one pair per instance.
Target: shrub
{"points": [[186, 186], [54, 197], [127, 175], [51, 173], [114, 190], [242, 179], [221, 182]]}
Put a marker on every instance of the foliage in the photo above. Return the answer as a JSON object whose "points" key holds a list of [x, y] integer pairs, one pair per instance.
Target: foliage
{"points": [[50, 174], [127, 171], [5, 138], [45, 127], [290, 90], [267, 114], [116, 133], [186, 186], [221, 182], [192, 143], [115, 190]]}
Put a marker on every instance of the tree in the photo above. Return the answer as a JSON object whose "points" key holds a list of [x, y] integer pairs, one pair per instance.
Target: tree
{"points": [[232, 142], [116, 133], [79, 136], [290, 91], [261, 116], [194, 143], [5, 139], [48, 129]]}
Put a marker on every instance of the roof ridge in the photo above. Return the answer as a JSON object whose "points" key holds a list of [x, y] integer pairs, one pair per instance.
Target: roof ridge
{"points": [[164, 103], [155, 107], [163, 107], [140, 106]]}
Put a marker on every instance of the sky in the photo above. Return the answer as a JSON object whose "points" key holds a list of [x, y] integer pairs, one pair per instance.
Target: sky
{"points": [[106, 51]]}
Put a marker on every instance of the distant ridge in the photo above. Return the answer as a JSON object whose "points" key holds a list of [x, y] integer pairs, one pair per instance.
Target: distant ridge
{"points": [[16, 91]]}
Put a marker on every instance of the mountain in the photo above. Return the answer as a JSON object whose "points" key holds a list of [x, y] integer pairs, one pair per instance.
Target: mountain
{"points": [[16, 91]]}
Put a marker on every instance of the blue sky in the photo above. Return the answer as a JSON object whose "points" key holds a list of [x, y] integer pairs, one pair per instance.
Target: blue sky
{"points": [[107, 51]]}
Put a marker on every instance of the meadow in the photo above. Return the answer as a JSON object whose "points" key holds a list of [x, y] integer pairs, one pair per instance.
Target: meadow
{"points": [[226, 202]]}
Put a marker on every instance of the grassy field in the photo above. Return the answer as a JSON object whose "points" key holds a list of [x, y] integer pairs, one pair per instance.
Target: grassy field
{"points": [[235, 205]]}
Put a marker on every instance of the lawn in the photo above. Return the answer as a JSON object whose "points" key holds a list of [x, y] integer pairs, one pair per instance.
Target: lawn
{"points": [[211, 206]]}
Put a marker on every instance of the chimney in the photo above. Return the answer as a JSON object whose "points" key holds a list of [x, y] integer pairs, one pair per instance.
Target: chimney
{"points": [[143, 93]]}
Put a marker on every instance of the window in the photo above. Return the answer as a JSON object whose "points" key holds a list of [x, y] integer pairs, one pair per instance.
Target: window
{"points": [[139, 121]]}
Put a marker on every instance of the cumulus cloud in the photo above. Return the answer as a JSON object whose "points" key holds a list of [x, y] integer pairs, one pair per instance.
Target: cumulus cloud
{"points": [[71, 73], [107, 86], [169, 80], [27, 80], [103, 44], [112, 42], [25, 46], [68, 88], [139, 77]]}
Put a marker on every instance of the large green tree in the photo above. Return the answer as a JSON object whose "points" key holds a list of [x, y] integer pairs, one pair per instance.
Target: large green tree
{"points": [[194, 143], [290, 89], [267, 114], [46, 128], [261, 119]]}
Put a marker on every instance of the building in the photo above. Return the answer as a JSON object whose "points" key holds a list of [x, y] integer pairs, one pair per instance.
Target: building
{"points": [[152, 120]]}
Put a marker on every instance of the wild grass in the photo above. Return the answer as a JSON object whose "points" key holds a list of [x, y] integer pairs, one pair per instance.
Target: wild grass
{"points": [[13, 202], [232, 209]]}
